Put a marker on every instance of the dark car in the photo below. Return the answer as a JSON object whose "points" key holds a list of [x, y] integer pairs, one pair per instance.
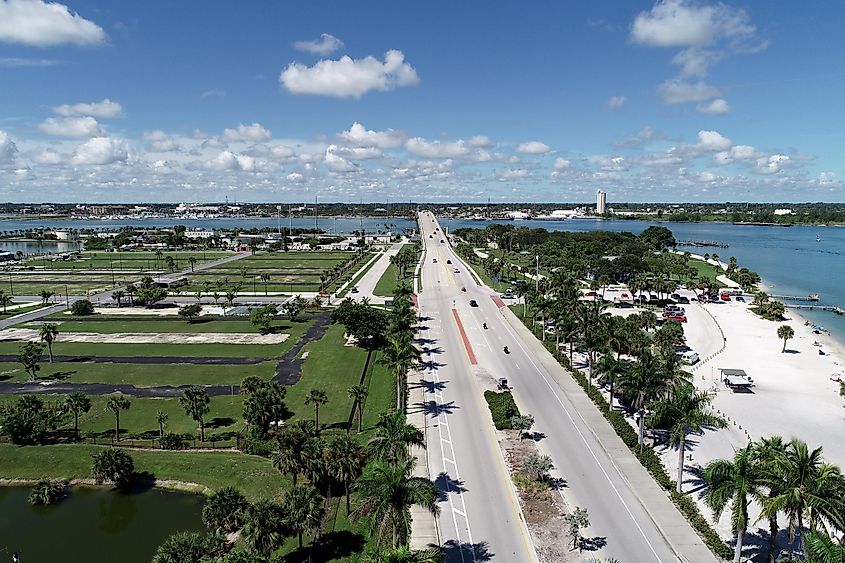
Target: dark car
{"points": [[473, 303], [683, 300], [448, 261], [740, 298]]}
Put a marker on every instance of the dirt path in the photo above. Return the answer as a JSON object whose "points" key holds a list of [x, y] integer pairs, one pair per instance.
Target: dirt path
{"points": [[32, 335]]}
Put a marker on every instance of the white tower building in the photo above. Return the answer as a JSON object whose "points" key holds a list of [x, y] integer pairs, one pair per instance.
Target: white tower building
{"points": [[601, 202]]}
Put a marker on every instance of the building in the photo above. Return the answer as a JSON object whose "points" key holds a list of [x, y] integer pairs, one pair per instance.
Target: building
{"points": [[601, 202]]}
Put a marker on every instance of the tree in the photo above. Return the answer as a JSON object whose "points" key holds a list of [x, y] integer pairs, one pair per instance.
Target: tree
{"points": [[821, 548], [733, 483], [316, 397], [265, 405], [195, 401], [113, 464], [82, 308], [171, 263], [5, 300], [386, 493], [161, 420], [29, 356], [658, 238], [190, 311], [48, 332], [540, 464], [303, 509], [642, 384], [346, 461], [264, 527], [768, 456], [225, 510], [118, 296], [77, 403], [785, 332], [398, 356], [192, 261], [46, 492], [684, 410], [27, 420], [522, 423], [266, 279], [46, 295], [289, 459], [150, 296], [294, 307], [393, 437], [114, 405], [358, 394], [405, 554], [187, 547], [262, 317], [574, 522]]}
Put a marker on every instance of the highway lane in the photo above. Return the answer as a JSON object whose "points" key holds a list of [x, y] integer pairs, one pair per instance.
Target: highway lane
{"points": [[480, 518], [619, 523]]}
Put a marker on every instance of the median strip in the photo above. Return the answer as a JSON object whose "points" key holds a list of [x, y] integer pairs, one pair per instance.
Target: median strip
{"points": [[467, 345]]}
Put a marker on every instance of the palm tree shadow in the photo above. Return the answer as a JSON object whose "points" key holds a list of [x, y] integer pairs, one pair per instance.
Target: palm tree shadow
{"points": [[434, 409], [446, 484], [756, 544], [695, 477], [431, 365], [459, 551], [432, 350], [592, 544], [429, 386]]}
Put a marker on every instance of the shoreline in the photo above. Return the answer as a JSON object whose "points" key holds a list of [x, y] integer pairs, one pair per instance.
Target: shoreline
{"points": [[164, 484]]}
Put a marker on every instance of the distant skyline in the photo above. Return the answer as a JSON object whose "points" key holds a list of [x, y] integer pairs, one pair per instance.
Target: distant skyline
{"points": [[674, 101]]}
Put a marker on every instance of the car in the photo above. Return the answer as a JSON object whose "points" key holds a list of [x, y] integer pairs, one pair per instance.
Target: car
{"points": [[464, 289], [430, 236], [442, 241], [675, 296], [740, 298], [353, 290], [502, 384], [473, 303], [434, 260], [690, 357], [683, 300], [457, 271], [506, 295], [725, 297], [448, 261], [677, 318]]}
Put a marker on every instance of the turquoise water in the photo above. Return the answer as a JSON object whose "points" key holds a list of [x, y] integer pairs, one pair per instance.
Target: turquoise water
{"points": [[93, 525]]}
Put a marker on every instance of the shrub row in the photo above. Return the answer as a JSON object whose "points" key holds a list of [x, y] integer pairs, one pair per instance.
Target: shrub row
{"points": [[648, 458], [502, 408]]}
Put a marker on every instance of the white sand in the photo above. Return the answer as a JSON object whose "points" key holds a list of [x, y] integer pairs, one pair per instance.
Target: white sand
{"points": [[18, 334], [165, 312]]}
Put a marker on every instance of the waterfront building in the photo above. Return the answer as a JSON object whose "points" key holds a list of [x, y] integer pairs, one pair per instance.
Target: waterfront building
{"points": [[601, 202]]}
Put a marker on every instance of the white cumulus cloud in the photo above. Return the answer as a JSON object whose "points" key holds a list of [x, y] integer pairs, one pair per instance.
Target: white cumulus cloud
{"points": [[101, 151], [348, 77], [562, 163], [716, 107], [45, 24], [104, 110], [773, 164], [159, 141], [437, 149], [336, 163], [47, 156], [684, 23], [325, 45], [713, 141], [229, 161], [360, 136], [533, 147], [8, 148], [616, 102], [677, 91], [71, 127], [254, 133]]}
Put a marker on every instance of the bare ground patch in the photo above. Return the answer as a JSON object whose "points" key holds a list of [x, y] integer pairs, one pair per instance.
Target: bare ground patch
{"points": [[20, 334]]}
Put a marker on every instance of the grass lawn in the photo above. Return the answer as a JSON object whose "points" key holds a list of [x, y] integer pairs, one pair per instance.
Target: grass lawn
{"points": [[103, 324], [141, 375], [143, 350], [705, 269], [254, 476]]}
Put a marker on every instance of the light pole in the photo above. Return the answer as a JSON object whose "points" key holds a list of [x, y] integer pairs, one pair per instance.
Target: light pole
{"points": [[537, 278]]}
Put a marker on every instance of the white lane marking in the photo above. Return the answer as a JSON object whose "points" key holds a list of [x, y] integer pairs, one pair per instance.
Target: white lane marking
{"points": [[446, 459], [584, 439]]}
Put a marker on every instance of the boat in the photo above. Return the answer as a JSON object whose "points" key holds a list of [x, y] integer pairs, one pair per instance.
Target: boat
{"points": [[818, 238]]}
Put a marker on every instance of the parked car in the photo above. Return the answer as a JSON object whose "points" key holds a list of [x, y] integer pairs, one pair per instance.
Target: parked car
{"points": [[353, 290], [677, 318], [725, 297], [683, 300], [506, 295], [690, 357], [473, 303], [740, 298], [675, 296]]}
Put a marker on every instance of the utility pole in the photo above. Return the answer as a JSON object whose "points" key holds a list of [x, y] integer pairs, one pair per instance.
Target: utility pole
{"points": [[537, 278]]}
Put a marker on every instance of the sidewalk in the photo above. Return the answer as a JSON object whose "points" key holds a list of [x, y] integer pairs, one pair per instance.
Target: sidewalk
{"points": [[679, 534], [424, 530]]}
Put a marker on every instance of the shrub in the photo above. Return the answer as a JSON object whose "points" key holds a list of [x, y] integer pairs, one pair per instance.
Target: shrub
{"points": [[113, 464], [82, 308], [502, 408], [171, 441], [46, 492]]}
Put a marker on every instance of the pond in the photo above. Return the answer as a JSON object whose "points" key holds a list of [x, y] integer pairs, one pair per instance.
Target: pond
{"points": [[93, 525]]}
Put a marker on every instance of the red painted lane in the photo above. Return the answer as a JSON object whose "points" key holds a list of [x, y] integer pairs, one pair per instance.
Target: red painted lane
{"points": [[467, 345], [498, 301]]}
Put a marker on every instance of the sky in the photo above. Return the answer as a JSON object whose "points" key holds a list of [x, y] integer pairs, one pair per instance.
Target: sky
{"points": [[673, 101]]}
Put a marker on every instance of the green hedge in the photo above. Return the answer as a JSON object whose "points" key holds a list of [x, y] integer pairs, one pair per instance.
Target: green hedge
{"points": [[647, 457], [502, 408]]}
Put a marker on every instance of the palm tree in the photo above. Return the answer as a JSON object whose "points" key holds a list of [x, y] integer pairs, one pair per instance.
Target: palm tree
{"points": [[114, 405], [266, 279], [642, 384], [195, 401], [733, 482], [398, 356], [118, 296], [346, 461], [386, 494], [192, 261], [785, 332], [303, 510], [48, 332], [45, 296], [263, 529], [316, 397], [822, 549], [289, 459], [768, 453], [130, 292], [610, 370], [358, 394], [5, 300], [393, 436], [77, 403], [684, 410], [161, 419]]}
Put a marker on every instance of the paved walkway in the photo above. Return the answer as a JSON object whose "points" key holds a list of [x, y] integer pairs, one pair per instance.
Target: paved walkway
{"points": [[424, 530], [680, 535], [367, 284]]}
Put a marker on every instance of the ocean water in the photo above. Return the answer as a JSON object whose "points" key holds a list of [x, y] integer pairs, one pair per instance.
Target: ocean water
{"points": [[789, 259]]}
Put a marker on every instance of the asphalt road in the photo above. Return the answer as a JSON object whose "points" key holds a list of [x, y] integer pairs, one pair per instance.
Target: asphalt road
{"points": [[620, 526], [480, 518]]}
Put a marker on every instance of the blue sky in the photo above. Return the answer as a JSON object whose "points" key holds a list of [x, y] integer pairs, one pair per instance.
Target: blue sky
{"points": [[678, 100]]}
